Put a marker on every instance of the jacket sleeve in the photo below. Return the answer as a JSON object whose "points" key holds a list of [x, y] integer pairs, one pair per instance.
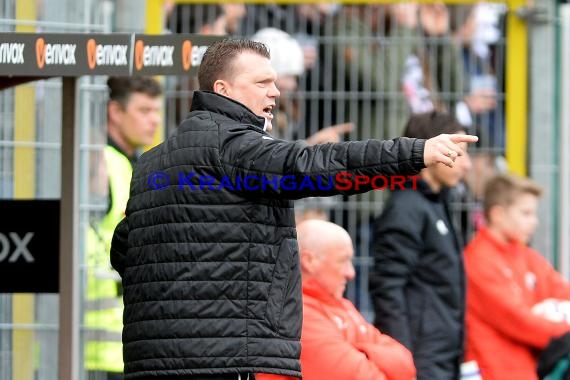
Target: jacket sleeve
{"points": [[326, 354], [397, 247], [119, 246], [493, 299], [549, 282], [244, 152], [391, 357]]}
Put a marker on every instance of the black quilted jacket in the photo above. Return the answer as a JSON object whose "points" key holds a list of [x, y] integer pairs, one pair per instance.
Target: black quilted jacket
{"points": [[210, 273]]}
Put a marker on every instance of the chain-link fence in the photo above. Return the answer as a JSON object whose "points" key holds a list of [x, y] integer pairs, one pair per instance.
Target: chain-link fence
{"points": [[373, 66]]}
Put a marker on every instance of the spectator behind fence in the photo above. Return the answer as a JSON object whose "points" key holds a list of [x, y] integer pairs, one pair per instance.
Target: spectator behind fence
{"points": [[337, 342], [369, 55], [235, 13], [434, 75], [204, 19], [486, 165], [132, 119], [211, 276], [288, 62], [417, 283], [510, 317], [208, 19], [480, 41], [313, 208]]}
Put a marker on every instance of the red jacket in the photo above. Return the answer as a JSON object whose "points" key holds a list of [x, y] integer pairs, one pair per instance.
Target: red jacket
{"points": [[504, 281], [338, 343]]}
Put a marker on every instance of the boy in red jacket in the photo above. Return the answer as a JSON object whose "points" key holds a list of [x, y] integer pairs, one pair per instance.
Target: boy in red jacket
{"points": [[337, 342], [506, 279]]}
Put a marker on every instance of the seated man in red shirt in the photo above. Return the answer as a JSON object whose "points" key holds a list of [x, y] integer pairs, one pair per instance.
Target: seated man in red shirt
{"points": [[508, 283], [336, 341]]}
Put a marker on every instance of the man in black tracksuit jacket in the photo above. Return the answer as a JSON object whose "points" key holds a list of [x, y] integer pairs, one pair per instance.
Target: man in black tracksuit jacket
{"points": [[211, 277], [417, 283]]}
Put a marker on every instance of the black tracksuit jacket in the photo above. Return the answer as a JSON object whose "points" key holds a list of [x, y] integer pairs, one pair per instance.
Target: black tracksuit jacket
{"points": [[211, 275]]}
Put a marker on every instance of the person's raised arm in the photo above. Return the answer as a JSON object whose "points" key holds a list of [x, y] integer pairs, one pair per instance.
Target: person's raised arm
{"points": [[249, 153]]}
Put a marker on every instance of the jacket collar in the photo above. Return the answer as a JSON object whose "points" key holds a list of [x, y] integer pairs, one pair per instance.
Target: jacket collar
{"points": [[132, 159], [510, 246], [222, 105], [423, 187], [313, 288]]}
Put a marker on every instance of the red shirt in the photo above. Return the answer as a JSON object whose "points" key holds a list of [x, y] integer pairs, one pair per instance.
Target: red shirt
{"points": [[504, 282], [338, 343]]}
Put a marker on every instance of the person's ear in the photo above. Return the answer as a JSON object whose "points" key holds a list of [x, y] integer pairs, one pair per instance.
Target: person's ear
{"points": [[115, 110], [309, 261], [496, 214], [221, 87]]}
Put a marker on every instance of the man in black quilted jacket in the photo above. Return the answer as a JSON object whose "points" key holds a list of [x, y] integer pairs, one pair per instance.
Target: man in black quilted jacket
{"points": [[207, 251]]}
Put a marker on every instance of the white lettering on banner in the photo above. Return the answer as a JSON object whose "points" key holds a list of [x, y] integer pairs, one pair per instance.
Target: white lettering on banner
{"points": [[11, 53], [198, 54], [21, 248], [158, 55], [60, 54], [112, 55]]}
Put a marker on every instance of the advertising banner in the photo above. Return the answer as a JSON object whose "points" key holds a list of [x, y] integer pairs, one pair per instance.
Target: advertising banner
{"points": [[29, 246], [58, 54]]}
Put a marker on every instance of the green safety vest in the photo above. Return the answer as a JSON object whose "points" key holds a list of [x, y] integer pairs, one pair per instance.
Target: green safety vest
{"points": [[104, 306], [120, 171]]}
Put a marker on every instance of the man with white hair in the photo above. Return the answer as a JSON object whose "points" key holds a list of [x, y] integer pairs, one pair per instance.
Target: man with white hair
{"points": [[336, 340]]}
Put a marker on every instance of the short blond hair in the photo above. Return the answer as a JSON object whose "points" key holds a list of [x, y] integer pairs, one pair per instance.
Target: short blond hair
{"points": [[504, 189]]}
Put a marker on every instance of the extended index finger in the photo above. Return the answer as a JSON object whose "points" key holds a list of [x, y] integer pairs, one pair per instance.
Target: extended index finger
{"points": [[343, 128], [459, 137]]}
